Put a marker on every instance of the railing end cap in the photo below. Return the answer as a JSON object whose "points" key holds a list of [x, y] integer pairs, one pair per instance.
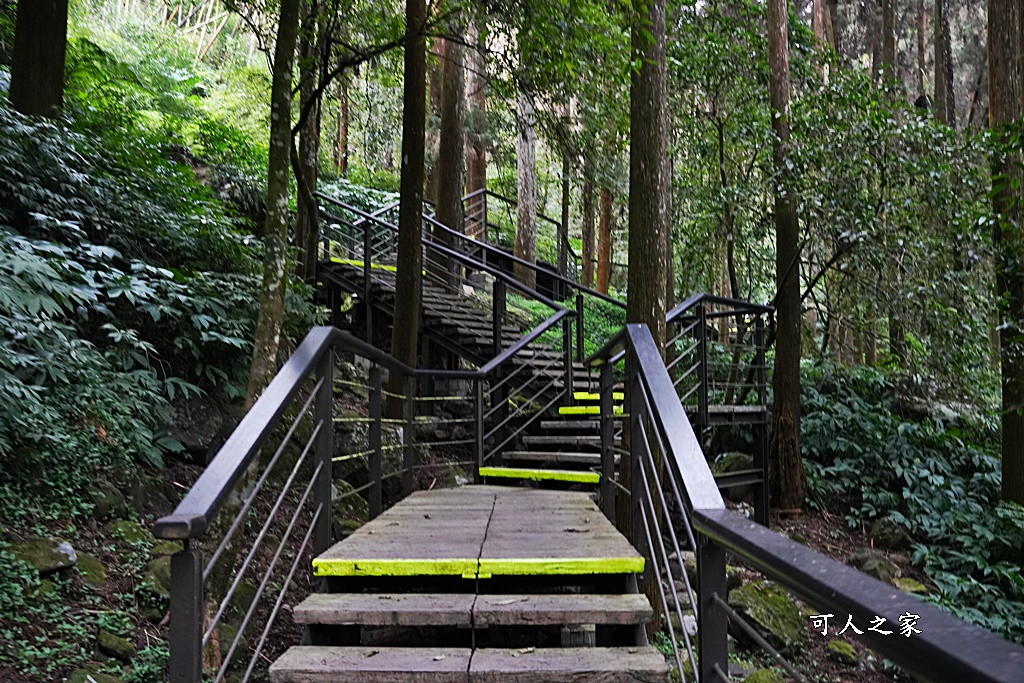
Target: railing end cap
{"points": [[179, 527]]}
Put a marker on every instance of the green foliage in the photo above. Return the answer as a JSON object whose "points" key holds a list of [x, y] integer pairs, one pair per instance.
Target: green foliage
{"points": [[938, 481]]}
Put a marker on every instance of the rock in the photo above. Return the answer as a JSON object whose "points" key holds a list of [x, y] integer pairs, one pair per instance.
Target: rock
{"points": [[195, 421], [226, 635], [92, 570], [874, 563], [115, 646], [842, 652], [688, 624], [130, 532], [45, 589], [108, 502], [889, 535], [166, 548], [45, 555], [158, 576], [734, 462], [733, 575], [908, 585], [771, 608], [87, 676], [765, 676], [344, 528], [348, 505]]}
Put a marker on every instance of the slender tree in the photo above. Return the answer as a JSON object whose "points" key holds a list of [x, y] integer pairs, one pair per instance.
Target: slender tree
{"points": [[788, 464], [605, 232], [944, 97], [476, 118], [922, 41], [587, 276], [275, 234], [888, 41], [1005, 107], [307, 227], [344, 121], [404, 336], [451, 156], [37, 65], [526, 174]]}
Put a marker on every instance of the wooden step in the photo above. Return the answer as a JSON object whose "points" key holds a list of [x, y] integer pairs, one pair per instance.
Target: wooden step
{"points": [[567, 425], [553, 457], [321, 664], [316, 664], [587, 410], [468, 610], [546, 610], [568, 476], [562, 440], [592, 396], [569, 665], [386, 609]]}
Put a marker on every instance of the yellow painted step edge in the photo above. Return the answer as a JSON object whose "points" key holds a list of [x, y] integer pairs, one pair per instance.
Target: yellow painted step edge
{"points": [[541, 475], [361, 264], [532, 566], [586, 410], [588, 396], [464, 567]]}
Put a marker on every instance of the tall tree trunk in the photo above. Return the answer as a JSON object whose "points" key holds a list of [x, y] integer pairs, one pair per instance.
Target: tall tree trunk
{"points": [[404, 336], [605, 232], [587, 276], [37, 65], [789, 467], [275, 233], [563, 236], [526, 174], [1005, 107], [344, 119], [888, 42], [476, 123], [922, 40], [832, 32], [945, 111], [433, 139], [307, 227], [875, 38], [818, 20], [451, 155]]}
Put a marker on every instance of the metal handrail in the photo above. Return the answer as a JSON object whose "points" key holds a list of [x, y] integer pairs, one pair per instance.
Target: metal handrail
{"points": [[945, 649]]}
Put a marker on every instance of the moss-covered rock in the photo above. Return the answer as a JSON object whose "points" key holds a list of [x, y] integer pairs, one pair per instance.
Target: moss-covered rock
{"points": [[771, 608], [765, 676], [115, 646], [45, 555], [908, 585], [733, 575], [158, 576], [108, 502], [166, 548], [889, 535], [87, 676], [874, 563], [842, 652], [130, 531], [226, 636], [348, 505], [92, 570]]}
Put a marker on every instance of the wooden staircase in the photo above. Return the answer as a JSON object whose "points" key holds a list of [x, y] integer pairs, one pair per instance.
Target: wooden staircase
{"points": [[478, 584]]}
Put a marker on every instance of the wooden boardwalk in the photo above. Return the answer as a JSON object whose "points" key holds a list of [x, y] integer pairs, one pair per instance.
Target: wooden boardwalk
{"points": [[482, 532]]}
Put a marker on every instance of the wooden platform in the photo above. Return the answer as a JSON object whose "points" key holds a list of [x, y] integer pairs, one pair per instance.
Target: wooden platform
{"points": [[484, 531]]}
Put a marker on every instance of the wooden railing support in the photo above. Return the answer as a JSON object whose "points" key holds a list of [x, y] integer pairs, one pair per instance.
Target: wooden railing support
{"points": [[324, 450], [186, 622], [374, 444]]}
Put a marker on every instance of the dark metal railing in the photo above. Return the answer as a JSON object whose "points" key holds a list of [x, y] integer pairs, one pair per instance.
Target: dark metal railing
{"points": [[674, 507]]}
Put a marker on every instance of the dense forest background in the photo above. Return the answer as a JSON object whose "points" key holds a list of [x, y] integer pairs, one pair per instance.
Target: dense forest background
{"points": [[134, 228]]}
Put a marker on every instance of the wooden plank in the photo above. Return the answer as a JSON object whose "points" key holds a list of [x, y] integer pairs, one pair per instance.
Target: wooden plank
{"points": [[398, 609], [587, 410], [544, 610], [569, 665], [569, 476], [556, 457], [310, 664], [562, 440]]}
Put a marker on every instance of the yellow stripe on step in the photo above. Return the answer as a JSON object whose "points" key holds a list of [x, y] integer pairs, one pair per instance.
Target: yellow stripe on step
{"points": [[532, 566], [361, 264], [464, 567], [586, 410], [572, 476], [588, 396]]}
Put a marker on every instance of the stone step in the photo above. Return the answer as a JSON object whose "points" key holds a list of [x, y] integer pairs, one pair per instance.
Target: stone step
{"points": [[564, 440]]}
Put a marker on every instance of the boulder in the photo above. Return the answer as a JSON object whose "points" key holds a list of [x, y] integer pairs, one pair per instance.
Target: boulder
{"points": [[734, 462], [130, 532], [158, 576], [765, 676], [45, 555], [195, 422], [88, 676], [842, 652], [874, 563], [108, 502], [92, 570], [733, 575], [166, 548], [908, 585], [889, 535], [115, 646], [348, 505], [770, 608]]}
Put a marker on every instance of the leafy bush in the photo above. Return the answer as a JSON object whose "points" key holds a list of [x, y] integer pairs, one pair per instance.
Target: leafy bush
{"points": [[938, 481]]}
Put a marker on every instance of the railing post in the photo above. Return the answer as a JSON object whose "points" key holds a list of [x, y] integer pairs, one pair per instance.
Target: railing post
{"points": [[702, 368], [409, 436], [761, 500], [567, 357], [637, 450], [499, 299], [367, 281], [759, 359], [324, 417], [374, 444], [712, 624], [186, 622], [487, 240], [607, 442], [579, 327], [478, 411]]}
